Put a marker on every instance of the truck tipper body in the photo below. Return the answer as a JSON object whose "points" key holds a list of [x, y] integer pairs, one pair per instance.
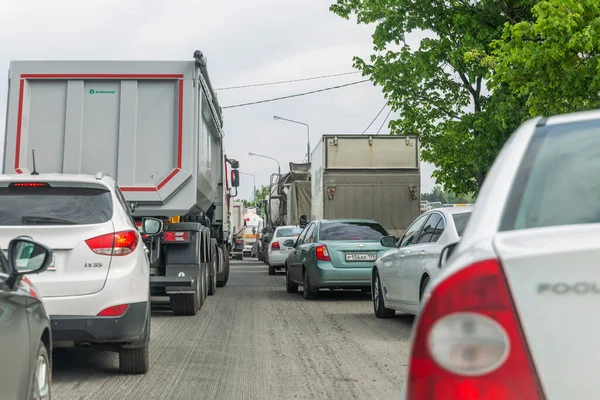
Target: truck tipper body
{"points": [[237, 230], [156, 127], [368, 177]]}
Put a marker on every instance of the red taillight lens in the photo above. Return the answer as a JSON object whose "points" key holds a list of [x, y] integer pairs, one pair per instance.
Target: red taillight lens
{"points": [[138, 224], [114, 311], [468, 342], [176, 236], [275, 246], [114, 244], [322, 253]]}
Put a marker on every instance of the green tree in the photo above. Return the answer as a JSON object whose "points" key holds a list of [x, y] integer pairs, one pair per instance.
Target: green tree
{"points": [[552, 62], [433, 86], [260, 195]]}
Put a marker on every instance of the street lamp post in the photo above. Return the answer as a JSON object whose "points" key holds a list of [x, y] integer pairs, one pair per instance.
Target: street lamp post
{"points": [[254, 178], [270, 158], [307, 133]]}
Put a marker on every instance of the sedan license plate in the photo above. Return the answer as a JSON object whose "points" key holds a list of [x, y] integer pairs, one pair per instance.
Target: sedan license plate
{"points": [[51, 267], [361, 257]]}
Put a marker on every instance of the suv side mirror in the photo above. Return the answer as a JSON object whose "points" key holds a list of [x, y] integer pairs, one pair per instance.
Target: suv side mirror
{"points": [[388, 241], [289, 243], [26, 257], [152, 226], [446, 253]]}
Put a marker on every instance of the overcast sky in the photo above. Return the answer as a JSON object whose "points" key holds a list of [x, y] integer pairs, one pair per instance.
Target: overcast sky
{"points": [[246, 42]]}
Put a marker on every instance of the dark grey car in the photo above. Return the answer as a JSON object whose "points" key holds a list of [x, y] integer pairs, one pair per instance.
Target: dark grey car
{"points": [[25, 338]]}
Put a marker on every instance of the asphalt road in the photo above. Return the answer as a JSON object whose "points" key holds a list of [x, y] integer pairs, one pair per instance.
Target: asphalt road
{"points": [[252, 340]]}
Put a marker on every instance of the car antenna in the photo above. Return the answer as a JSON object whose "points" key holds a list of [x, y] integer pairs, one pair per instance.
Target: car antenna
{"points": [[34, 172]]}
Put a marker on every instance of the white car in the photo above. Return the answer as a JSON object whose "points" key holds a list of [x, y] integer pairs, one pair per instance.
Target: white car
{"points": [[96, 290], [402, 273], [278, 253], [513, 313]]}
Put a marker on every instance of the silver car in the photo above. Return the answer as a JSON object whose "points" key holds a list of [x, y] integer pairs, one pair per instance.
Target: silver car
{"points": [[25, 336], [402, 273], [277, 252], [513, 314]]}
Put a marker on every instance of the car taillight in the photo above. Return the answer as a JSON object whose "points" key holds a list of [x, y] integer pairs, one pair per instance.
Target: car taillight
{"points": [[176, 236], [140, 229], [468, 342], [322, 253], [114, 244], [275, 246], [114, 311], [29, 184]]}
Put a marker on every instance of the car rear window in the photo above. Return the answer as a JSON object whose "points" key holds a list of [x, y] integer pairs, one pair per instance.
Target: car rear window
{"points": [[351, 231], [54, 206], [558, 181], [460, 222], [289, 232]]}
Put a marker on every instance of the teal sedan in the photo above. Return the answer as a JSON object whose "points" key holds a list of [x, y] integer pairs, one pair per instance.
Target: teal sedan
{"points": [[333, 254]]}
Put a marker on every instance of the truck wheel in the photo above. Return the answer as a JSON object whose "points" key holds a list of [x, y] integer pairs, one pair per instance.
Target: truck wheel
{"points": [[214, 267], [188, 303], [206, 281], [223, 277]]}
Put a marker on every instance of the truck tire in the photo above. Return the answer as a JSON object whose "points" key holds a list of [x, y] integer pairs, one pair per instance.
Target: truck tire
{"points": [[206, 283], [223, 277], [188, 303], [214, 267]]}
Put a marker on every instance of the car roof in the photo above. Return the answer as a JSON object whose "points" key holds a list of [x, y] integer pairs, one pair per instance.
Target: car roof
{"points": [[372, 221], [573, 117], [452, 210], [287, 226]]}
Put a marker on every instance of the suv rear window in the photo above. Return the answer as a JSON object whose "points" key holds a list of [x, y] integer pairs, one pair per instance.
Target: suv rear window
{"points": [[351, 231], [558, 182], [289, 232], [54, 206], [460, 222]]}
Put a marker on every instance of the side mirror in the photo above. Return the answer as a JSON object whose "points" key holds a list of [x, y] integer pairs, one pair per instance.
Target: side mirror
{"points": [[151, 226], [26, 257], [235, 178], [446, 253], [388, 241], [289, 243]]}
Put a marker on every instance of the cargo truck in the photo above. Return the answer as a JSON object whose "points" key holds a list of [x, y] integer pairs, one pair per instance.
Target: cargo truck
{"points": [[156, 127], [237, 230], [367, 177]]}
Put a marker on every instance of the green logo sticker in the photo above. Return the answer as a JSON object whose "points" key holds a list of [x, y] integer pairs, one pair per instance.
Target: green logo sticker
{"points": [[92, 91]]}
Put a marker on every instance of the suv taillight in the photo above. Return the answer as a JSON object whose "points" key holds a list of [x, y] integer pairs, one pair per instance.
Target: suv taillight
{"points": [[468, 342], [114, 244], [322, 253], [275, 246]]}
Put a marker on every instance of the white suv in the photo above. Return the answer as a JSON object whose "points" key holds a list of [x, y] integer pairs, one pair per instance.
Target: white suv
{"points": [[96, 290]]}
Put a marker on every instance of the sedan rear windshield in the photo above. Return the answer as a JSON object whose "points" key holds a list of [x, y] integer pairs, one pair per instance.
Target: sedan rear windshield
{"points": [[351, 231], [289, 232], [558, 181], [460, 222], [54, 206]]}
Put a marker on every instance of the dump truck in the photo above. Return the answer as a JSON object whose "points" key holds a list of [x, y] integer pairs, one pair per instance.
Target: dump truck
{"points": [[367, 177], [238, 223], [156, 127]]}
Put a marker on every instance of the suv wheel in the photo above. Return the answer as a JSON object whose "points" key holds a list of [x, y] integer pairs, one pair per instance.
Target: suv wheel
{"points": [[134, 361]]}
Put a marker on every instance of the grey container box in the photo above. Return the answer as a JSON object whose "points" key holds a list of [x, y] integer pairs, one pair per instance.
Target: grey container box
{"points": [[367, 177]]}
